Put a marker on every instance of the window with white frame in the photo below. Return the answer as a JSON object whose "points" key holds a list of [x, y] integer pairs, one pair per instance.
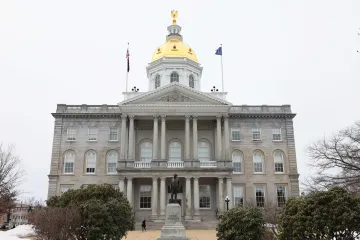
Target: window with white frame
{"points": [[276, 134], [281, 195], [203, 151], [90, 162], [145, 196], [256, 134], [146, 151], [235, 134], [174, 77], [92, 134], [65, 188], [157, 81], [258, 160], [237, 161], [191, 81], [260, 196], [111, 161], [71, 134], [175, 152], [69, 160], [204, 193], [238, 195], [113, 134], [279, 161]]}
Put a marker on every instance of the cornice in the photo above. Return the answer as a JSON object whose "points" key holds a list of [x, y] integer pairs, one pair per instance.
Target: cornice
{"points": [[262, 115], [86, 115]]}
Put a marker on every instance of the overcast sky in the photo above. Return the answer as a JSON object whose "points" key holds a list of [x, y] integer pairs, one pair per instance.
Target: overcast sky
{"points": [[301, 53]]}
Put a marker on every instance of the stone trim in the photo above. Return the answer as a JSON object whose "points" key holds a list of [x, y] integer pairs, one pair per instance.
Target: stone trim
{"points": [[86, 115]]}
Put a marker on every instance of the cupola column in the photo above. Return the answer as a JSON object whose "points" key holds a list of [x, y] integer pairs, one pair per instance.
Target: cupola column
{"points": [[187, 137]]}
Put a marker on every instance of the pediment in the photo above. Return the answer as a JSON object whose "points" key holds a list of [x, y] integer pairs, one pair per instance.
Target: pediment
{"points": [[175, 94]]}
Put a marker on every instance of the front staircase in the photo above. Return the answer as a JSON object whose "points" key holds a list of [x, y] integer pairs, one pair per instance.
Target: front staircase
{"points": [[201, 225]]}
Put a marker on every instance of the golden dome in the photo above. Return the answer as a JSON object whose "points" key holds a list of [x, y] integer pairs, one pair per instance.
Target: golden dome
{"points": [[174, 48]]}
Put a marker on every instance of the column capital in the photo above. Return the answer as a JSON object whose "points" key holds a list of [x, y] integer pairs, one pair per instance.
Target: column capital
{"points": [[226, 116], [220, 179], [155, 179], [162, 178], [129, 178], [163, 117], [218, 117], [196, 178], [156, 117], [194, 117], [187, 117], [188, 178], [123, 116], [131, 116]]}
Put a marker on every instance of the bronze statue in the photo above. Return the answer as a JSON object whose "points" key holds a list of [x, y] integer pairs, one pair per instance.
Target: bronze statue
{"points": [[174, 188]]}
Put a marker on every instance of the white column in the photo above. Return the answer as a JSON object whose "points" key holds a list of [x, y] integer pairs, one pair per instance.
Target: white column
{"points": [[162, 196], [196, 196], [154, 199], [129, 194], [218, 138], [123, 137], [187, 137], [121, 185], [131, 138], [195, 138], [188, 197], [155, 138], [221, 197], [163, 134], [226, 138], [229, 191]]}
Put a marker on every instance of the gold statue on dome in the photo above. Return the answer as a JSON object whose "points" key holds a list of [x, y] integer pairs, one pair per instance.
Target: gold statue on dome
{"points": [[174, 15]]}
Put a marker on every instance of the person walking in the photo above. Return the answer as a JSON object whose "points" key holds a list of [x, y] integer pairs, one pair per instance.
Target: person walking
{"points": [[143, 225]]}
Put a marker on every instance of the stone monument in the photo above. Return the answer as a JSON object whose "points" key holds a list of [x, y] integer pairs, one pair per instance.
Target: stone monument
{"points": [[173, 228]]}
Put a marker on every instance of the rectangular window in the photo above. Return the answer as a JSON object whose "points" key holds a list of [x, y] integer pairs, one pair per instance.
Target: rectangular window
{"points": [[113, 134], [279, 167], [256, 134], [145, 196], [69, 167], [71, 134], [65, 188], [238, 195], [281, 195], [260, 196], [276, 134], [111, 167], [92, 134], [235, 134], [204, 192]]}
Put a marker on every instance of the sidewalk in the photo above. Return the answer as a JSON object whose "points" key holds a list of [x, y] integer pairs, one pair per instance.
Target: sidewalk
{"points": [[154, 234]]}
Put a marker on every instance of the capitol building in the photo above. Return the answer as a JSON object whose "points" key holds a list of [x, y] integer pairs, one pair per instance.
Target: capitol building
{"points": [[218, 149]]}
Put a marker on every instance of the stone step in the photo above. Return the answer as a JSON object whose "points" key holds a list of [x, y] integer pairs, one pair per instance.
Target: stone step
{"points": [[202, 225]]}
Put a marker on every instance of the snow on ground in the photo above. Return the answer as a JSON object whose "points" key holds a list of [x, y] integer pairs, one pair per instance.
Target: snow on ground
{"points": [[20, 232]]}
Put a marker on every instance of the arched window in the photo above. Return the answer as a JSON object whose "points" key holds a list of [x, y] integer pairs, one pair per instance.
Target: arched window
{"points": [[157, 81], [174, 77], [175, 152], [258, 159], [90, 162], [111, 159], [69, 160], [146, 151], [279, 161], [203, 151], [237, 160], [191, 81]]}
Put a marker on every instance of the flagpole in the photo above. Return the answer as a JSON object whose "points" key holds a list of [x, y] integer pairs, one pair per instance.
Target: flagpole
{"points": [[222, 71], [127, 70]]}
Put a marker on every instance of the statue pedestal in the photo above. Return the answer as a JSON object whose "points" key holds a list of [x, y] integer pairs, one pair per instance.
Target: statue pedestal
{"points": [[173, 228]]}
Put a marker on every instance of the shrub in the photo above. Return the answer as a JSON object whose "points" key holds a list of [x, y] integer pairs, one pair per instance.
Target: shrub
{"points": [[105, 213], [241, 222]]}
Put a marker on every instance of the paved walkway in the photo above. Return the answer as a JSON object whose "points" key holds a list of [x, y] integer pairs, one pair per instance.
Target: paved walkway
{"points": [[154, 234]]}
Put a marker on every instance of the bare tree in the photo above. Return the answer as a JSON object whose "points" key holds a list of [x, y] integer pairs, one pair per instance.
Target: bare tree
{"points": [[337, 160], [11, 175]]}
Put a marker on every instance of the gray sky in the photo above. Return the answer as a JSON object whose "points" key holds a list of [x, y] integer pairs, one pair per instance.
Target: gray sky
{"points": [[301, 53]]}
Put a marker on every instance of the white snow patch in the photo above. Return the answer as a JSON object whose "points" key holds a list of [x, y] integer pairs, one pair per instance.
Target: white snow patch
{"points": [[17, 233]]}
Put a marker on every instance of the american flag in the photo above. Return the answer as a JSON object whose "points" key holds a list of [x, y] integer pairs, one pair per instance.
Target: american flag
{"points": [[128, 60]]}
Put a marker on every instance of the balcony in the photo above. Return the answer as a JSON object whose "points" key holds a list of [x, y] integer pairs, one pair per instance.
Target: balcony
{"points": [[208, 164], [142, 164], [175, 164]]}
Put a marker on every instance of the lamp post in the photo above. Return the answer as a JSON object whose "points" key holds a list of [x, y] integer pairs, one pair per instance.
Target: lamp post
{"points": [[227, 200]]}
